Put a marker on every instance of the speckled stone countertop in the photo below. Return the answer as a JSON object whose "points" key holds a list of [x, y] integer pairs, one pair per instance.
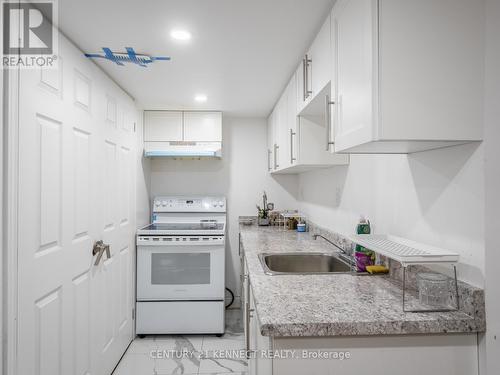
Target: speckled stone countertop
{"points": [[334, 305]]}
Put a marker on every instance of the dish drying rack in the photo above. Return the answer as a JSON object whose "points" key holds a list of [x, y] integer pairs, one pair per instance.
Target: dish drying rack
{"points": [[410, 253]]}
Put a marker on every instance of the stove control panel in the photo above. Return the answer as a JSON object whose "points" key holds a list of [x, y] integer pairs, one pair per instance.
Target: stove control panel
{"points": [[189, 204]]}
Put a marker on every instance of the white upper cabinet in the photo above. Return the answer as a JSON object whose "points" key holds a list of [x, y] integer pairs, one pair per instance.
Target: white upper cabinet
{"points": [[321, 59], [314, 72], [407, 75], [162, 126], [284, 131], [182, 134], [270, 143], [291, 128], [299, 141], [168, 126], [203, 126]]}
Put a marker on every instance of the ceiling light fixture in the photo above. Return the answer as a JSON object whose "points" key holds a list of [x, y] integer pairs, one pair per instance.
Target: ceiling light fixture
{"points": [[200, 98], [182, 35]]}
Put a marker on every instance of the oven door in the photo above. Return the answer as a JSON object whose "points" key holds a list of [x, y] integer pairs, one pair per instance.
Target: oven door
{"points": [[188, 268]]}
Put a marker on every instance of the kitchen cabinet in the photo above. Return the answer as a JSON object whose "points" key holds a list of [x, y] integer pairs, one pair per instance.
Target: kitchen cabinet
{"points": [[163, 125], [182, 134], [292, 120], [270, 143], [298, 123], [387, 354], [314, 70], [281, 146], [202, 126], [320, 59], [286, 108], [276, 136], [302, 142], [255, 342], [407, 75]]}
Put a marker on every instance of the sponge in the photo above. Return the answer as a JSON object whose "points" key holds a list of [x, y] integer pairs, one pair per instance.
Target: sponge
{"points": [[377, 269]]}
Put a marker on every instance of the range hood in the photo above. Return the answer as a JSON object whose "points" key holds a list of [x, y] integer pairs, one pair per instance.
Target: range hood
{"points": [[183, 149]]}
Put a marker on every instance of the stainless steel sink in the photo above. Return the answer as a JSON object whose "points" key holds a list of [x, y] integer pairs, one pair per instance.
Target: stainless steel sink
{"points": [[303, 264]]}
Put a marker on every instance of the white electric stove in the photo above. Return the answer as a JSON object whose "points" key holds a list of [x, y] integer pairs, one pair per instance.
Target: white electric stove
{"points": [[180, 267]]}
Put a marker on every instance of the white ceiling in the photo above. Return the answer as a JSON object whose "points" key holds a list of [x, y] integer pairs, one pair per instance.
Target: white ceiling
{"points": [[241, 55]]}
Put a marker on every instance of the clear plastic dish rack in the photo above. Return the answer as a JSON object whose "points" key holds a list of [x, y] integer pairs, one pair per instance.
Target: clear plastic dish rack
{"points": [[410, 253]]}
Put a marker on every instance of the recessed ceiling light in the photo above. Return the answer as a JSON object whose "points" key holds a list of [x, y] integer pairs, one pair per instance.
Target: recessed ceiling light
{"points": [[200, 98], [180, 35]]}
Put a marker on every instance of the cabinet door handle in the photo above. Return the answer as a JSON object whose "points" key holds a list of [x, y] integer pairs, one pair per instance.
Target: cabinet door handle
{"points": [[276, 147], [269, 152], [306, 62], [247, 319], [292, 159], [328, 117], [304, 78]]}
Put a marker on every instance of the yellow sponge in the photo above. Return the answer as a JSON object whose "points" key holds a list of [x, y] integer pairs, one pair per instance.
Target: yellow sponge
{"points": [[377, 269]]}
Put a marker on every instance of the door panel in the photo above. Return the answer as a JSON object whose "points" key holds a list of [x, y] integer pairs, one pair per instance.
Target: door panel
{"points": [[76, 186], [291, 110], [320, 55], [203, 126], [81, 290], [354, 23], [162, 126]]}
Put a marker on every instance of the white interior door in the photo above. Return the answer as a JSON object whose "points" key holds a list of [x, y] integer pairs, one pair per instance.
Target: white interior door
{"points": [[76, 186]]}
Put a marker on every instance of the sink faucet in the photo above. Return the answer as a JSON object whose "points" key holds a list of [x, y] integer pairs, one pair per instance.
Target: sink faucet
{"points": [[316, 235], [344, 255]]}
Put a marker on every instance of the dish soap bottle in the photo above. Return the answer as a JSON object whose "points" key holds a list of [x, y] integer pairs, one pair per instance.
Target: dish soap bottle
{"points": [[362, 255]]}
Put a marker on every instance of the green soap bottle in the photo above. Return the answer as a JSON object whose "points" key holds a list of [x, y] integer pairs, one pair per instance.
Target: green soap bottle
{"points": [[363, 227]]}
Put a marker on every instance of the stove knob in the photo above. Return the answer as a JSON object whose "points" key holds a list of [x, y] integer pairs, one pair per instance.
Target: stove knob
{"points": [[157, 203], [163, 203]]}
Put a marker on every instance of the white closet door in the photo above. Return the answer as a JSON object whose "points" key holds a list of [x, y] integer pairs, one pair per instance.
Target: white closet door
{"points": [[76, 186]]}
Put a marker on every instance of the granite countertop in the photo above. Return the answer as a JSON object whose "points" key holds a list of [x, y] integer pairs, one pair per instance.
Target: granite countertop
{"points": [[336, 305]]}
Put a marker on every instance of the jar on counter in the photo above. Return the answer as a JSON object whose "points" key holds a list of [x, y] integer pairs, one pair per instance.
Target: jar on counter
{"points": [[433, 289]]}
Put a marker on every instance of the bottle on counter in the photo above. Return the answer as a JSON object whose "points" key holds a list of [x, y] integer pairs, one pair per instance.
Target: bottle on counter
{"points": [[362, 255]]}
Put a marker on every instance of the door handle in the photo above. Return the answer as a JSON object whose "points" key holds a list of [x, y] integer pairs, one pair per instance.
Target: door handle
{"points": [[98, 249]]}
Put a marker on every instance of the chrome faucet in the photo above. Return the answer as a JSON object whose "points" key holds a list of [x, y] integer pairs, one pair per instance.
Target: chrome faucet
{"points": [[343, 254]]}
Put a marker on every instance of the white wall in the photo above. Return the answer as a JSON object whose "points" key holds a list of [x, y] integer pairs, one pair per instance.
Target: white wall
{"points": [[241, 176], [433, 197], [143, 178], [492, 136], [3, 122]]}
